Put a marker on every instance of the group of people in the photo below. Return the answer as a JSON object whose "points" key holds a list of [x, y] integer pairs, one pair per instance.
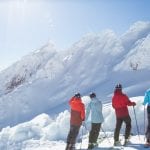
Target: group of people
{"points": [[120, 103]]}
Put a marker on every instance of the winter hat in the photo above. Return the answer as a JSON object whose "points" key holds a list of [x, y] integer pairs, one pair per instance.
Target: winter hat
{"points": [[118, 86], [78, 95], [92, 95]]}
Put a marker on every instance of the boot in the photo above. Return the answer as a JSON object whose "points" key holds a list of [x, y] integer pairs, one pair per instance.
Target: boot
{"points": [[72, 147], [95, 144], [67, 146], [126, 142], [90, 146], [117, 143], [147, 145]]}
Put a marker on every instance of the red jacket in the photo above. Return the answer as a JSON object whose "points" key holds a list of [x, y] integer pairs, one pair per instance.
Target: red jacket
{"points": [[77, 111], [120, 102]]}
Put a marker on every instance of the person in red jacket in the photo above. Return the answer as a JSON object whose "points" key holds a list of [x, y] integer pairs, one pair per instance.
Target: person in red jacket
{"points": [[77, 116], [120, 101]]}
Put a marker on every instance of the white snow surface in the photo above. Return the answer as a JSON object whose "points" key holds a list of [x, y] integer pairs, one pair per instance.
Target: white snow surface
{"points": [[46, 133]]}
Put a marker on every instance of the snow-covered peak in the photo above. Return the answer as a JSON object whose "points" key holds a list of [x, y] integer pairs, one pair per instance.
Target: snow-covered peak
{"points": [[48, 48], [26, 68], [107, 42], [44, 80], [137, 31], [138, 57]]}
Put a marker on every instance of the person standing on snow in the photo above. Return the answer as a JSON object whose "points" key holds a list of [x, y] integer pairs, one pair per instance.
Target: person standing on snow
{"points": [[77, 116], [95, 107], [147, 101], [120, 102]]}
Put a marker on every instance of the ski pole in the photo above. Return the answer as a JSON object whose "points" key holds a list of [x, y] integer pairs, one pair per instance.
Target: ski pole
{"points": [[82, 134], [144, 124], [136, 123], [106, 136]]}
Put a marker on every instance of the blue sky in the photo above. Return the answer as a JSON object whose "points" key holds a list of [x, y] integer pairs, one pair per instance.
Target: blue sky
{"points": [[26, 25]]}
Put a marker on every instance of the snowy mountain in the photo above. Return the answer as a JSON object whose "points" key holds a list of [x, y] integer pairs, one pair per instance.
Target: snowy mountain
{"points": [[43, 81]]}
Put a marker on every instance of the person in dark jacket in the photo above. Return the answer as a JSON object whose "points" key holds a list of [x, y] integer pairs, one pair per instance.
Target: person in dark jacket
{"points": [[120, 102], [95, 107], [147, 102], [77, 116]]}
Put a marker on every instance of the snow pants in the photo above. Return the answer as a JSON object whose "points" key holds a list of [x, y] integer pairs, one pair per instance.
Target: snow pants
{"points": [[119, 122], [73, 133], [94, 133], [148, 126]]}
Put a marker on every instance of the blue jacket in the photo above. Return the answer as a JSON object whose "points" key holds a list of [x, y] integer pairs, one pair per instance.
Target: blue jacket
{"points": [[147, 97], [95, 107]]}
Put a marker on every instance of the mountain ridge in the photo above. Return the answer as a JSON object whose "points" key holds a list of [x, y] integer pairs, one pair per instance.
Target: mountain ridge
{"points": [[47, 78]]}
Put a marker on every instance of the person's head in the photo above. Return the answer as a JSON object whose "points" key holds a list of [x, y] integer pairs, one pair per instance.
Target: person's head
{"points": [[77, 95], [92, 95], [118, 87]]}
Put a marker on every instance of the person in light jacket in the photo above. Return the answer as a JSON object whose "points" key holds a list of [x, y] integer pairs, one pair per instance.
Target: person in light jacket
{"points": [[147, 101], [95, 108]]}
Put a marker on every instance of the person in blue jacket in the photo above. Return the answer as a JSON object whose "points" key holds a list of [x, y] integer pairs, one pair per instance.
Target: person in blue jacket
{"points": [[147, 101], [95, 108]]}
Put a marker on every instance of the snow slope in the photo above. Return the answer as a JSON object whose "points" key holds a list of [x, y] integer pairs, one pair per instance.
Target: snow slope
{"points": [[43, 81], [46, 133]]}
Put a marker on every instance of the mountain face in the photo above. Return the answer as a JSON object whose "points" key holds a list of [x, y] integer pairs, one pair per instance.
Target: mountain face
{"points": [[45, 79]]}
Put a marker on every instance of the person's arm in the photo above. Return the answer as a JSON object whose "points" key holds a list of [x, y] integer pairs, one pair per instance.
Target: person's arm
{"points": [[113, 103], [101, 112], [71, 100], [146, 98], [83, 112], [130, 103], [87, 111], [100, 106]]}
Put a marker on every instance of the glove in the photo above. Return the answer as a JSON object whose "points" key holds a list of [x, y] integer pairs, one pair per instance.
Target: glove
{"points": [[133, 103], [143, 103]]}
